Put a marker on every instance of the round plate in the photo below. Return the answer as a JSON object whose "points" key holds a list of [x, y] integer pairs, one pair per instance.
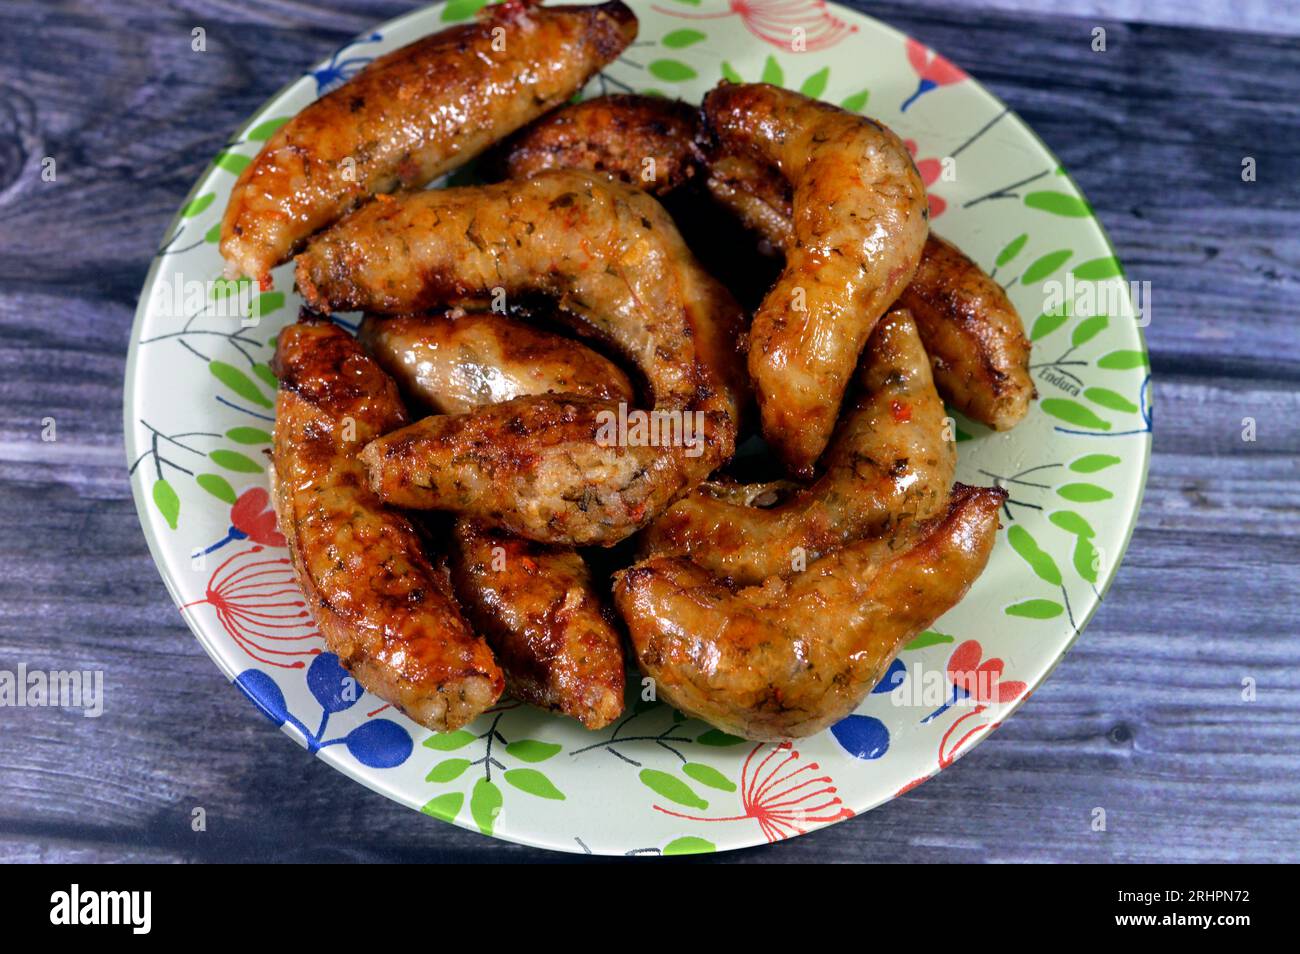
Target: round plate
{"points": [[199, 408]]}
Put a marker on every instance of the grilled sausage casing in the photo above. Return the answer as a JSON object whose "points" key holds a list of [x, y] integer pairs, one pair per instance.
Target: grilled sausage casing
{"points": [[793, 657], [411, 116], [973, 335], [889, 464], [453, 362], [647, 141], [970, 329], [859, 223], [540, 611], [617, 135], [382, 606], [606, 253]]}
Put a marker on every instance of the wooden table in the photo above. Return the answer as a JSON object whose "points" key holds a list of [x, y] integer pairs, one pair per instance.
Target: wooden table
{"points": [[1145, 718]]}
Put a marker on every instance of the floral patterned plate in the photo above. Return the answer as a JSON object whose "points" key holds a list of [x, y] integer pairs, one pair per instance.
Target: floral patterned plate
{"points": [[199, 408]]}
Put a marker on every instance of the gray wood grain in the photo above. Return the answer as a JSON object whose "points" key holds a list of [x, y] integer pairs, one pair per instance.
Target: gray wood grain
{"points": [[1143, 718]]}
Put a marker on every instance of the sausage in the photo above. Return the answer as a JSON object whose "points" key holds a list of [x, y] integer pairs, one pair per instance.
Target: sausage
{"points": [[411, 116], [383, 607], [859, 223], [550, 469], [615, 135], [889, 464], [791, 657], [541, 612], [974, 336], [537, 606], [972, 332], [756, 194], [547, 468], [455, 361], [764, 494], [647, 141]]}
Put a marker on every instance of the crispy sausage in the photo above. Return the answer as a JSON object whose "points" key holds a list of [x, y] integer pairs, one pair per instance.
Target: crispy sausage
{"points": [[541, 613], [859, 223], [974, 337], [537, 606], [411, 116], [454, 361], [647, 141], [382, 606], [550, 469], [546, 468], [792, 657], [970, 329], [888, 464], [756, 194]]}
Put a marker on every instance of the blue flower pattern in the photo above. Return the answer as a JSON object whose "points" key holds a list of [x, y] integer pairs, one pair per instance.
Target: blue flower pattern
{"points": [[378, 743]]}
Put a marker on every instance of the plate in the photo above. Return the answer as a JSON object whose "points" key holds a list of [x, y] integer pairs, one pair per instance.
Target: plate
{"points": [[199, 411]]}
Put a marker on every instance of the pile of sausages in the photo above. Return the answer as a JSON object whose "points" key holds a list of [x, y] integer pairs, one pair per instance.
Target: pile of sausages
{"points": [[769, 609]]}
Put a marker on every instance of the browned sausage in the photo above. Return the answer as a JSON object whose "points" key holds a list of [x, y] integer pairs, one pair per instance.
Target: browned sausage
{"points": [[382, 606], [756, 194], [540, 611], [615, 135], [974, 337], [970, 329], [550, 469], [859, 223], [647, 141], [889, 464], [412, 115], [454, 361], [792, 657]]}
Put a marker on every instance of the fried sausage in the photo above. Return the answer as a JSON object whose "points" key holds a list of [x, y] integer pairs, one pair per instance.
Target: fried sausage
{"points": [[970, 329], [541, 613], [550, 469], [647, 141], [454, 361], [765, 494], [755, 194], [859, 223], [615, 135], [537, 606], [382, 606], [889, 464], [974, 337], [411, 116], [546, 468], [792, 657]]}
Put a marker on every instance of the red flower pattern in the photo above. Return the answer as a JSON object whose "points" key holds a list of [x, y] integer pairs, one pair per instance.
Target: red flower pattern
{"points": [[979, 679], [252, 516], [934, 71], [781, 796], [774, 21], [258, 603]]}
